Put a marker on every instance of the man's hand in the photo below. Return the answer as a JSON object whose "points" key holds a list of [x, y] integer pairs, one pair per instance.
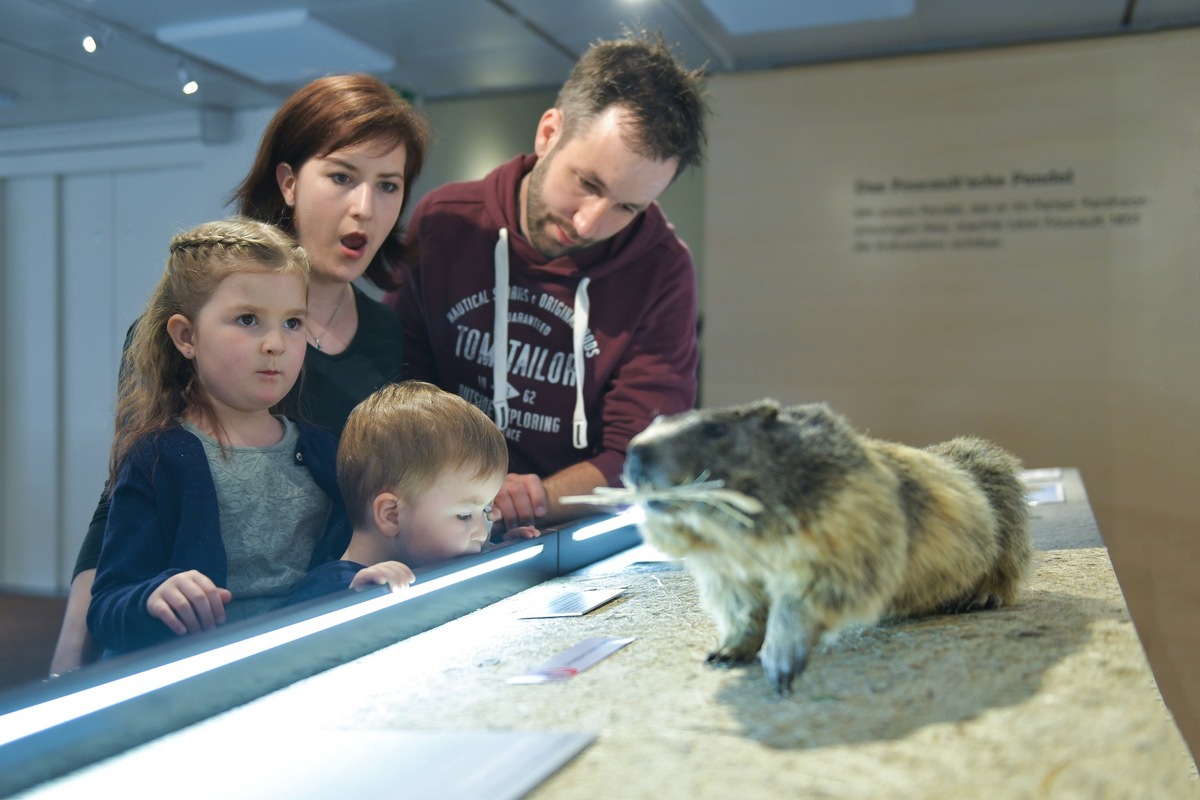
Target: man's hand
{"points": [[390, 573], [521, 501], [527, 500], [189, 602]]}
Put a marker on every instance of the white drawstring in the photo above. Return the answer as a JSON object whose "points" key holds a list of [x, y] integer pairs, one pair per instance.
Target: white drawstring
{"points": [[579, 330], [579, 425], [500, 334]]}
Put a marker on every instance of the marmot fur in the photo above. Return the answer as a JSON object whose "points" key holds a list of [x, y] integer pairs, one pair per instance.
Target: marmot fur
{"points": [[851, 529]]}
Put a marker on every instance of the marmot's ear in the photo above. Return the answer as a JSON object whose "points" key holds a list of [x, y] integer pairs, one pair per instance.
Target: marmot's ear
{"points": [[805, 412], [768, 411]]}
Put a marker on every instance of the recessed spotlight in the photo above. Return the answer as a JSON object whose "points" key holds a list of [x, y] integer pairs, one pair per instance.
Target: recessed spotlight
{"points": [[187, 84], [93, 42]]}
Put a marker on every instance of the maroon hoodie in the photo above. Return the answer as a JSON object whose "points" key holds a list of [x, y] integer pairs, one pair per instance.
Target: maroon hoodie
{"points": [[638, 345]]}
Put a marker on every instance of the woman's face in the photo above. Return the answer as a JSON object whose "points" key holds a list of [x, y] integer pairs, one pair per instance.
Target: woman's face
{"points": [[345, 205]]}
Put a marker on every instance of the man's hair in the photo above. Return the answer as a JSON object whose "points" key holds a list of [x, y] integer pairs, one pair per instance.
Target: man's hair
{"points": [[404, 437], [641, 75]]}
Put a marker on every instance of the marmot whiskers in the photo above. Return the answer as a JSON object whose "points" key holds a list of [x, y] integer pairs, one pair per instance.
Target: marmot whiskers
{"points": [[850, 530]]}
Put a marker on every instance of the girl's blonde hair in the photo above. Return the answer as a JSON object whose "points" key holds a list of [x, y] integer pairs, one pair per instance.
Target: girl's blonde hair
{"points": [[157, 384], [403, 437]]}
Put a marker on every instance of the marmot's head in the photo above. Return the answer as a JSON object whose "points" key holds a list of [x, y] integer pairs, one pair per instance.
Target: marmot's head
{"points": [[785, 457]]}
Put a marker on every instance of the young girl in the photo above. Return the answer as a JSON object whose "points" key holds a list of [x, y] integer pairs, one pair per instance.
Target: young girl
{"points": [[219, 506]]}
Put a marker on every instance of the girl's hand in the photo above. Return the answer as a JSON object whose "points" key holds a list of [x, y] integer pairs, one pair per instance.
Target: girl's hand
{"points": [[390, 573], [188, 602]]}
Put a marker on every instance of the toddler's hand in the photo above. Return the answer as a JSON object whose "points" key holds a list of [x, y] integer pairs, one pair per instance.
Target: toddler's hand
{"points": [[391, 573], [523, 532], [189, 602]]}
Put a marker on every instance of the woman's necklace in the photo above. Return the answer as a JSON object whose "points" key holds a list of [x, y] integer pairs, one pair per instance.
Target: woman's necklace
{"points": [[336, 309]]}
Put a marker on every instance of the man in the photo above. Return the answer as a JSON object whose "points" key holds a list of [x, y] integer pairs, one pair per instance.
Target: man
{"points": [[563, 263]]}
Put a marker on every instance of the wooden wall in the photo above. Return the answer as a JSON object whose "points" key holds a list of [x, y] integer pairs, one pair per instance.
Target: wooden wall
{"points": [[1002, 242]]}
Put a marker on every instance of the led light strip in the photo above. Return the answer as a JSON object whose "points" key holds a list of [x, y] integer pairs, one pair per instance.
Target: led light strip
{"points": [[43, 716], [631, 516]]}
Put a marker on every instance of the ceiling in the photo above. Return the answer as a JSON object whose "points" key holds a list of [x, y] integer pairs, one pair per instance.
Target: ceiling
{"points": [[253, 53]]}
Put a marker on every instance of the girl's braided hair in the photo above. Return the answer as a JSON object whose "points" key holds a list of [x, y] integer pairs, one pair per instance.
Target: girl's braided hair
{"points": [[157, 384]]}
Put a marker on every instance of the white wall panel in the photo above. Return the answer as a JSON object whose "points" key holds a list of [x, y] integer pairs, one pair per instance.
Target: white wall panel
{"points": [[29, 360], [87, 218], [115, 248], [89, 349]]}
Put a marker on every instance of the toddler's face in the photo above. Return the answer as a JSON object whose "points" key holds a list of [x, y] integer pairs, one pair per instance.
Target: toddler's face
{"points": [[448, 520]]}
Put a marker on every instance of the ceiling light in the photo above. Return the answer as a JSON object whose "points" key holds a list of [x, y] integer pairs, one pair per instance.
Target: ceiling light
{"points": [[752, 17], [187, 84], [287, 46], [92, 43]]}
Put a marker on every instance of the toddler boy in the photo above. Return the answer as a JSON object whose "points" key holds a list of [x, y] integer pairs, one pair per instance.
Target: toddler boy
{"points": [[418, 468]]}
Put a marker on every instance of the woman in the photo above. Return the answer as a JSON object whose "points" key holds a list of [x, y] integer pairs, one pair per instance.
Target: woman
{"points": [[333, 168]]}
